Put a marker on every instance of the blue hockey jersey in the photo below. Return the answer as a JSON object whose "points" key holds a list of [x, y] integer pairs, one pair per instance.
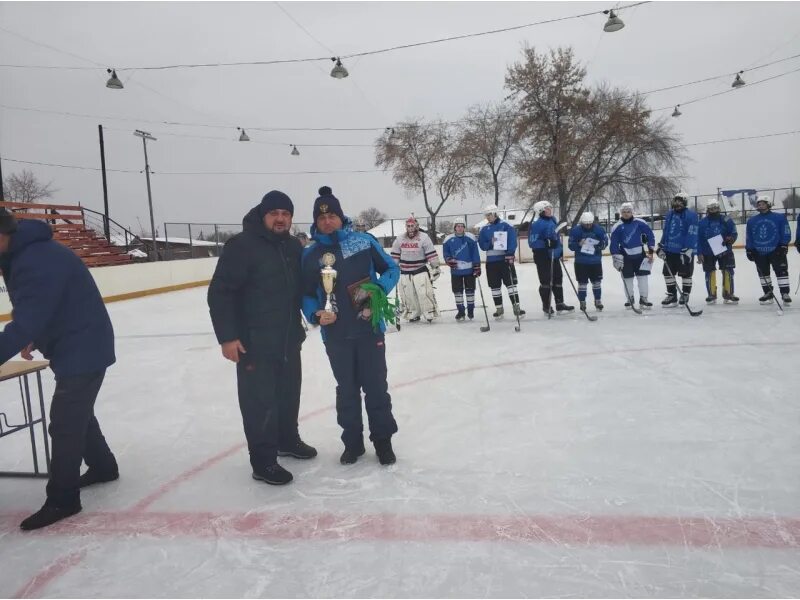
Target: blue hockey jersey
{"points": [[711, 226], [767, 231], [464, 250], [626, 236], [486, 240], [543, 229], [680, 231], [576, 237]]}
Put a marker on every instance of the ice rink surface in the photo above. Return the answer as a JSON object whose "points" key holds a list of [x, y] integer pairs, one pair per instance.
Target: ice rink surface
{"points": [[654, 455]]}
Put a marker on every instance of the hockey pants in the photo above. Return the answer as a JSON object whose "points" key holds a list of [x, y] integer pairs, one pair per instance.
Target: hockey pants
{"points": [[418, 297]]}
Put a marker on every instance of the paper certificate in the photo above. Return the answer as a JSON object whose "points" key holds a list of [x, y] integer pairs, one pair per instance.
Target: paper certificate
{"points": [[500, 240], [717, 245], [588, 247]]}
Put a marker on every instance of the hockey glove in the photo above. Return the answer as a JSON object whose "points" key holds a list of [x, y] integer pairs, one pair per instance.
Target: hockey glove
{"points": [[510, 259], [782, 250], [686, 256], [451, 262], [476, 271], [751, 255], [550, 244], [434, 271], [619, 261], [729, 240], [660, 252], [699, 259]]}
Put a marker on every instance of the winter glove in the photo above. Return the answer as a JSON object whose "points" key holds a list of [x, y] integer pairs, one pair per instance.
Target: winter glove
{"points": [[686, 256], [699, 259], [619, 261], [729, 240], [510, 259], [660, 252], [451, 262], [751, 255], [476, 271], [782, 250]]}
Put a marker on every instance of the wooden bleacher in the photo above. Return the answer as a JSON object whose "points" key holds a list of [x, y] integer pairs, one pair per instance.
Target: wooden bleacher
{"points": [[69, 228]]}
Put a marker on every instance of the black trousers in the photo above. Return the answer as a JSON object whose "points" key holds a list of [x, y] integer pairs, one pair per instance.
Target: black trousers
{"points": [[497, 273], [543, 265], [780, 264], [269, 398], [76, 437], [360, 364]]}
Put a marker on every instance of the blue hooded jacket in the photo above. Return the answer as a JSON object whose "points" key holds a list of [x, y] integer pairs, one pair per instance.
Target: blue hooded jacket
{"points": [[464, 249], [486, 240], [358, 258], [56, 304], [767, 231], [711, 226], [576, 237], [543, 229], [680, 231]]}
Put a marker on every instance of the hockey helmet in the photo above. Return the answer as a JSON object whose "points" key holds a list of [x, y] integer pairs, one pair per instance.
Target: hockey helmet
{"points": [[491, 209], [459, 221], [626, 207], [766, 199], [587, 218], [681, 198], [712, 206], [412, 227]]}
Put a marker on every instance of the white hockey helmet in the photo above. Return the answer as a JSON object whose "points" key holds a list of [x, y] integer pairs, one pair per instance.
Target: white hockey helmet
{"points": [[459, 221], [626, 206], [491, 209], [360, 224], [712, 205], [766, 199], [541, 206], [587, 218], [681, 197]]}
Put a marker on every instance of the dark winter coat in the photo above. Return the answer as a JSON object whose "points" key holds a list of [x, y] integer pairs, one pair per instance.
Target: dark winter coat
{"points": [[56, 304], [255, 294]]}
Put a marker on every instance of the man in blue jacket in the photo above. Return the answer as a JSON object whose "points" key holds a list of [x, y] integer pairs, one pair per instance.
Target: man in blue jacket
{"points": [[588, 241], [767, 244], [58, 310], [461, 254], [719, 226], [499, 240], [353, 336], [677, 248], [544, 240]]}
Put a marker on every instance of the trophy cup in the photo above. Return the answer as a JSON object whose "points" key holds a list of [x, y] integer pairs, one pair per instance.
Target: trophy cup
{"points": [[328, 276]]}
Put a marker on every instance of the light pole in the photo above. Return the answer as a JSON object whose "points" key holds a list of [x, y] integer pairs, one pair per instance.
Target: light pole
{"points": [[146, 136]]}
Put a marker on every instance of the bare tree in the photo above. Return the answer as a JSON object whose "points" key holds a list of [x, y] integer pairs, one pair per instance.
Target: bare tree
{"points": [[25, 187], [372, 217], [427, 158], [489, 134], [581, 144]]}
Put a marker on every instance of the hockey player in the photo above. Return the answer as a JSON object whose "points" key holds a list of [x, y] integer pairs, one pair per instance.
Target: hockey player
{"points": [[628, 254], [677, 248], [360, 225], [547, 249], [419, 268], [462, 256], [588, 242], [499, 240], [767, 243], [717, 225]]}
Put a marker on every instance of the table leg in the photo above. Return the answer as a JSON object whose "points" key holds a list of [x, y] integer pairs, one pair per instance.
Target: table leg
{"points": [[31, 425], [44, 421]]}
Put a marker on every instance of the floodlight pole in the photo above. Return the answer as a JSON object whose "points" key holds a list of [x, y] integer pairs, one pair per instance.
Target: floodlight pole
{"points": [[146, 136]]}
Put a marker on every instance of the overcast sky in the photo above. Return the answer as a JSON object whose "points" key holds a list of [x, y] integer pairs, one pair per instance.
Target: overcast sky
{"points": [[663, 43]]}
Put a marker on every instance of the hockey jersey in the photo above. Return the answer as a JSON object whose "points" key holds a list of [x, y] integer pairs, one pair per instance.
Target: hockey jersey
{"points": [[543, 229], [626, 236], [491, 239], [578, 245], [711, 226], [464, 250], [680, 231], [767, 231], [414, 254]]}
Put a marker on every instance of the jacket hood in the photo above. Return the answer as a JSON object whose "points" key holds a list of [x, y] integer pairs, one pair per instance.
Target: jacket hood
{"points": [[27, 233], [254, 223]]}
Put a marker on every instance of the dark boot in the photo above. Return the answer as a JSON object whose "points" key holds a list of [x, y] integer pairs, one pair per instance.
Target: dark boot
{"points": [[95, 475], [48, 515], [299, 449], [460, 314], [470, 311], [351, 454], [273, 475], [383, 448], [562, 307]]}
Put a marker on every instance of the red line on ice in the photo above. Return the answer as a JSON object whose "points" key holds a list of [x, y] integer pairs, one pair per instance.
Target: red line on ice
{"points": [[36, 584]]}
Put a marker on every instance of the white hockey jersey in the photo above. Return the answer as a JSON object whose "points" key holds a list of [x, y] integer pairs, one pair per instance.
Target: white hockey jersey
{"points": [[413, 254]]}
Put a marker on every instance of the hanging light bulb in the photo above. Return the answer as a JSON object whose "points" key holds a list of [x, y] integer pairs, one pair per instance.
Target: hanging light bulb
{"points": [[113, 82], [338, 71], [676, 112], [295, 151], [243, 137], [614, 23], [738, 81]]}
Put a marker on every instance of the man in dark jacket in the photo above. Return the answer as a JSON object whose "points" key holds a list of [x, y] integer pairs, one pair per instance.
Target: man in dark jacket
{"points": [[58, 310], [255, 300], [355, 346]]}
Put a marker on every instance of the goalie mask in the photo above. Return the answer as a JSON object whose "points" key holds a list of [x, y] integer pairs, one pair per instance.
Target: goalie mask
{"points": [[412, 227]]}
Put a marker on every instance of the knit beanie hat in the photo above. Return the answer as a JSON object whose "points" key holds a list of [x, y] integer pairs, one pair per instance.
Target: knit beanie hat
{"points": [[327, 203], [275, 200]]}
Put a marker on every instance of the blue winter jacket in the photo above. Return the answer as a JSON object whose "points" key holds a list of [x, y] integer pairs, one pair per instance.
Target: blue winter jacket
{"points": [[486, 237], [543, 229], [680, 231], [711, 226], [626, 237], [358, 258], [580, 233], [56, 304], [767, 231], [464, 249]]}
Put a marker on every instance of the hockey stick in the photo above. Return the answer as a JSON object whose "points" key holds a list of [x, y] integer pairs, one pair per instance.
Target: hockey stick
{"points": [[771, 289], [485, 312], [592, 318], [551, 292], [694, 313], [798, 285], [628, 295], [515, 307], [396, 307]]}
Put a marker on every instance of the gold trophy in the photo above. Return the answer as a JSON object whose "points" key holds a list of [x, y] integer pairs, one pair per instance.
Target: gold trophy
{"points": [[328, 277]]}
